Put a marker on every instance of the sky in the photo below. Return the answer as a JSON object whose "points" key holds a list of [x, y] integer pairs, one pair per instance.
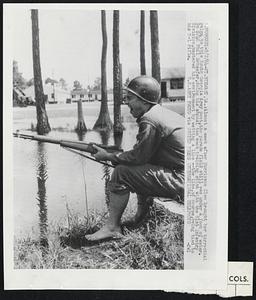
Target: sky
{"points": [[71, 42]]}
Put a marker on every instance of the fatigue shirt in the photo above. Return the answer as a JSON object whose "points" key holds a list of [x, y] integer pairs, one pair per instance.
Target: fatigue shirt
{"points": [[160, 140]]}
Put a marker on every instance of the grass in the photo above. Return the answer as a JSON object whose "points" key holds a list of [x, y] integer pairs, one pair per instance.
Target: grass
{"points": [[157, 244]]}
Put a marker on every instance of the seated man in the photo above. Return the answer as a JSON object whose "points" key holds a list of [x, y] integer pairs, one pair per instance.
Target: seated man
{"points": [[155, 166]]}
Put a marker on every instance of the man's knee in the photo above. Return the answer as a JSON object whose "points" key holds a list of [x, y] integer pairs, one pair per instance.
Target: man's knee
{"points": [[119, 172], [117, 183]]}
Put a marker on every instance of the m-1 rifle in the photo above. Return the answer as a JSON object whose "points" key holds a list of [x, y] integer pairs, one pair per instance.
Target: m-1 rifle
{"points": [[69, 144]]}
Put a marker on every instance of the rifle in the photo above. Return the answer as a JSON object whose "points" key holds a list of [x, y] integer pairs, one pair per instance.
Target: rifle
{"points": [[76, 145]]}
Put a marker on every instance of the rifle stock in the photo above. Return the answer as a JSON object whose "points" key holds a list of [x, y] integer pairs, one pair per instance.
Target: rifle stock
{"points": [[77, 145]]}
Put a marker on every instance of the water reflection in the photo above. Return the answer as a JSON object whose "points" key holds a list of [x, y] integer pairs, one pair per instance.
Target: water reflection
{"points": [[81, 135], [105, 135], [118, 139], [41, 194]]}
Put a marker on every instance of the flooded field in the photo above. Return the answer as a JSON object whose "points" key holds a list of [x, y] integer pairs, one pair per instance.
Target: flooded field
{"points": [[48, 179]]}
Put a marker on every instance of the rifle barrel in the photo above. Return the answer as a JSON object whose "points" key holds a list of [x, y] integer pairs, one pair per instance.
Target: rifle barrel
{"points": [[78, 145]]}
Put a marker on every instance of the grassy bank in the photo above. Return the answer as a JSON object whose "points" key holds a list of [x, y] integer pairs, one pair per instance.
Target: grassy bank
{"points": [[157, 244]]}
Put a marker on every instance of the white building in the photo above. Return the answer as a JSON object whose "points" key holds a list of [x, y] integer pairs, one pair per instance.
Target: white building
{"points": [[97, 95], [54, 93], [84, 94], [172, 83], [89, 96]]}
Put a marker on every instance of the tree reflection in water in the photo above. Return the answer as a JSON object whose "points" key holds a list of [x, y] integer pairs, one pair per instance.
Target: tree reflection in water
{"points": [[118, 138], [106, 169], [80, 135], [105, 135], [41, 194]]}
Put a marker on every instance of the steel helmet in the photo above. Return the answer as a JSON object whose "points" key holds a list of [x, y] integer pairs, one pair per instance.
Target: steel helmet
{"points": [[146, 88]]}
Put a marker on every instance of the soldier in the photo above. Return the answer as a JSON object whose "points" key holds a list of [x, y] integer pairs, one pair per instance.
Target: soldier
{"points": [[155, 165]]}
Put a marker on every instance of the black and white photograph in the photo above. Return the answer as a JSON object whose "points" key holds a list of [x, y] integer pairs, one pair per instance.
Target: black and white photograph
{"points": [[115, 138]]}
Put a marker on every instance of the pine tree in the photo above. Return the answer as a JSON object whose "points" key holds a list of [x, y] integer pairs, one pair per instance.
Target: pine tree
{"points": [[142, 43], [43, 125], [118, 127], [104, 122], [155, 53]]}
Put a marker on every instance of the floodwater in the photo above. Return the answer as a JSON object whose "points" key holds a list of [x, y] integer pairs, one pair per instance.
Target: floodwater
{"points": [[48, 179]]}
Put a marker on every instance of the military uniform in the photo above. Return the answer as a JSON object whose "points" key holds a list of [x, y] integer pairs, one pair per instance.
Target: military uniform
{"points": [[155, 166]]}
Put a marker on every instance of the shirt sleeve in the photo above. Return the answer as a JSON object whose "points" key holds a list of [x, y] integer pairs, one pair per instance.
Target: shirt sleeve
{"points": [[148, 140]]}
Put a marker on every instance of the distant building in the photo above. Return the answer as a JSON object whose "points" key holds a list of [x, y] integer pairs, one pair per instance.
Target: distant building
{"points": [[172, 82], [96, 94], [53, 93], [84, 94], [20, 98], [89, 96], [110, 95]]}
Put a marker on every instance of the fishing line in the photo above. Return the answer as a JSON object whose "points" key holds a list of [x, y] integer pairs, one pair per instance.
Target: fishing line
{"points": [[106, 165], [85, 186], [85, 191]]}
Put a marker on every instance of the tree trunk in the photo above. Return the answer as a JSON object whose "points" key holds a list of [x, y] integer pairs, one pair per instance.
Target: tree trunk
{"points": [[155, 54], [142, 43], [118, 127], [104, 122], [80, 127], [105, 135], [43, 125], [41, 194], [121, 81]]}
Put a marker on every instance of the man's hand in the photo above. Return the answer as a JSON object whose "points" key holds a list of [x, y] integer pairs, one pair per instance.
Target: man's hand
{"points": [[101, 154]]}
